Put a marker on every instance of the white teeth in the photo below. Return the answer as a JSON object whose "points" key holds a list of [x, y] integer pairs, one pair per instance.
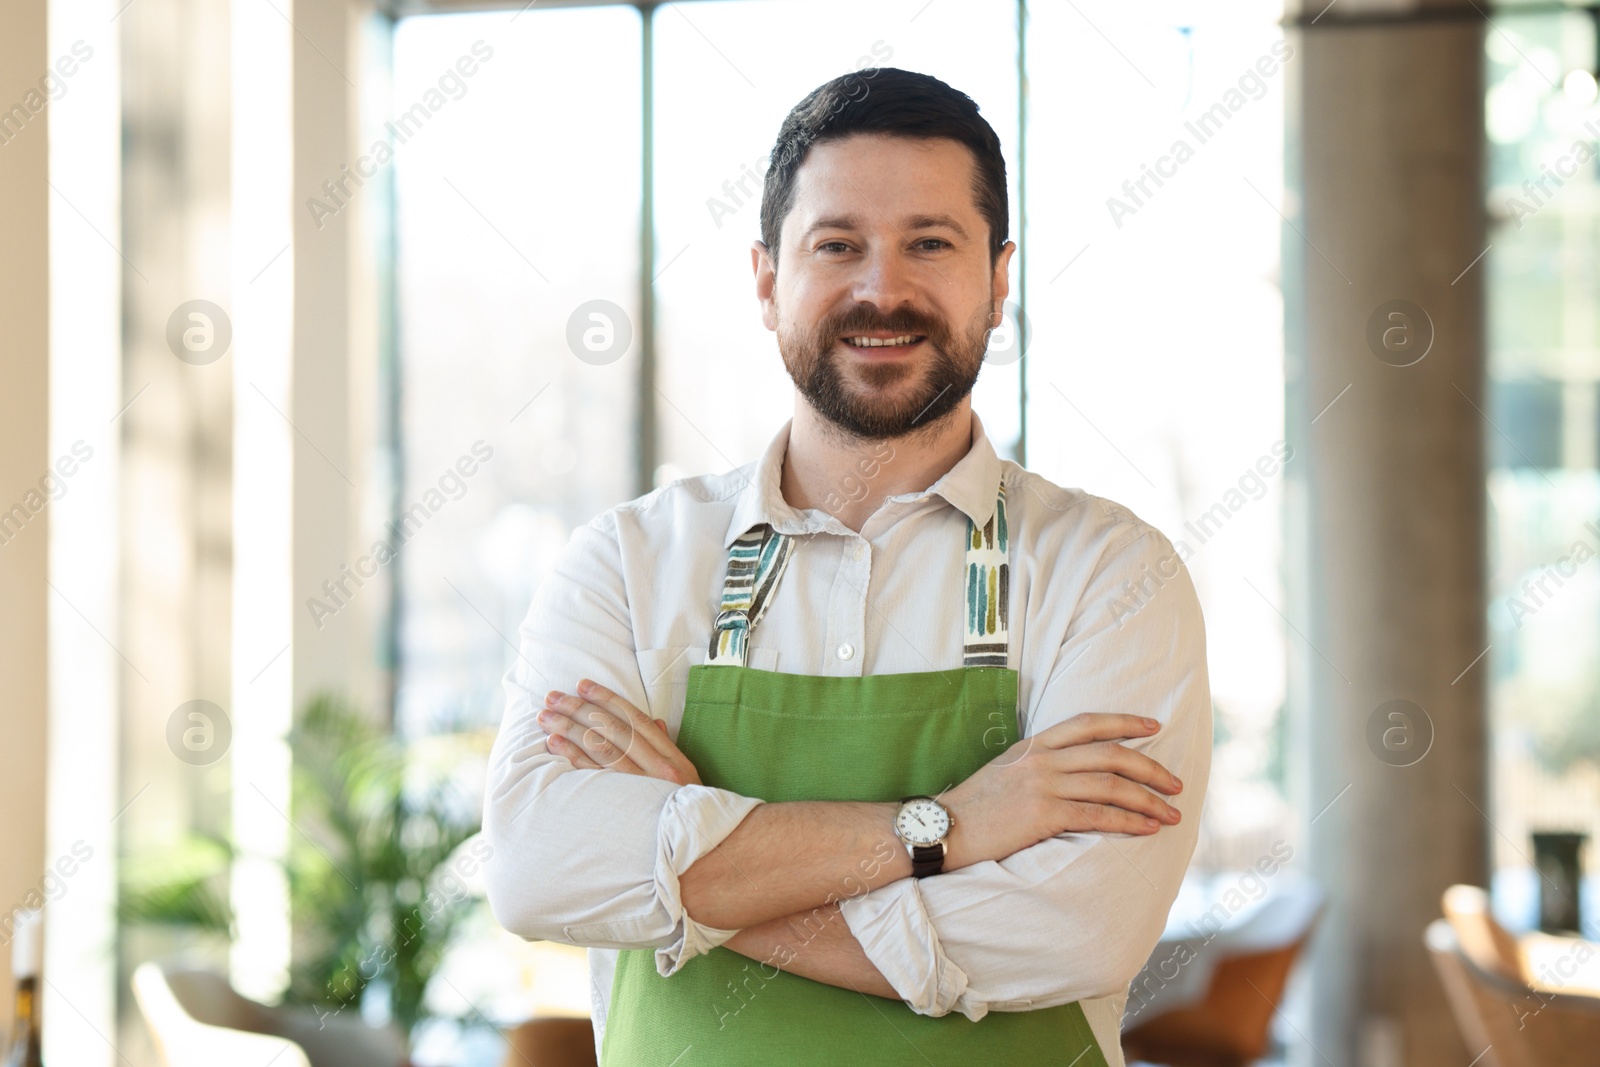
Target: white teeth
{"points": [[880, 342]]}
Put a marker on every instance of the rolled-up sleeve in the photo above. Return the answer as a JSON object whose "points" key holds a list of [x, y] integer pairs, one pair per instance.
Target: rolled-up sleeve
{"points": [[589, 857], [1076, 916]]}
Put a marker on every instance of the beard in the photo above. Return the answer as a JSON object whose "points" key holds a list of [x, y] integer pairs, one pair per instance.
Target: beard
{"points": [[877, 405]]}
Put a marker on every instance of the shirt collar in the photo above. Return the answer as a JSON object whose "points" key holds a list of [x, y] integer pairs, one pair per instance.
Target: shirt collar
{"points": [[970, 486]]}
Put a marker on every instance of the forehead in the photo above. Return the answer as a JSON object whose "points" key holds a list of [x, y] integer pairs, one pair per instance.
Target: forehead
{"points": [[881, 178]]}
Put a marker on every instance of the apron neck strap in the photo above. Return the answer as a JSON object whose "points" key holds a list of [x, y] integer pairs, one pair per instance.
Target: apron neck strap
{"points": [[988, 638], [758, 558], [755, 563]]}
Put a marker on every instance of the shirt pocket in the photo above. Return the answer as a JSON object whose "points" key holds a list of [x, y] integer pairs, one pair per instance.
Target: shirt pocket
{"points": [[665, 672], [619, 934]]}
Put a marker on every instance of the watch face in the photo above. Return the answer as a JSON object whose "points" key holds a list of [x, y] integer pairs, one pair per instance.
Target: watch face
{"points": [[922, 821]]}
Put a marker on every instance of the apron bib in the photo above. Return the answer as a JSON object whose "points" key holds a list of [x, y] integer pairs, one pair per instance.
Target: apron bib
{"points": [[784, 737]]}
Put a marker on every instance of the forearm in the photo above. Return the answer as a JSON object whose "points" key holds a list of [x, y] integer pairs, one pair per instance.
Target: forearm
{"points": [[794, 857], [815, 944], [576, 852]]}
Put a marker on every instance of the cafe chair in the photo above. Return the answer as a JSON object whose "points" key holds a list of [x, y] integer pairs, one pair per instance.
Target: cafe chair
{"points": [[1490, 946], [551, 1043], [1505, 1020], [1231, 1025], [1546, 962], [196, 1019]]}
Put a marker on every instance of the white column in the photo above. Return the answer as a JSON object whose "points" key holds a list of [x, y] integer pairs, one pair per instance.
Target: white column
{"points": [[86, 404], [263, 500], [304, 410], [334, 389]]}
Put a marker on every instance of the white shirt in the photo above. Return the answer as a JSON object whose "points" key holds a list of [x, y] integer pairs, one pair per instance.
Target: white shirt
{"points": [[1103, 617]]}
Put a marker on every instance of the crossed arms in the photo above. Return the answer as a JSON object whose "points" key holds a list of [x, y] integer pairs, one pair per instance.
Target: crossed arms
{"points": [[1056, 887]]}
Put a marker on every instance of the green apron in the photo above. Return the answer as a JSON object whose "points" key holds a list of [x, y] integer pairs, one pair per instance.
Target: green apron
{"points": [[785, 737]]}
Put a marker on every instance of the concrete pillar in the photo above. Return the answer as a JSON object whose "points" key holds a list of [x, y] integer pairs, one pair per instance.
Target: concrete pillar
{"points": [[1384, 284]]}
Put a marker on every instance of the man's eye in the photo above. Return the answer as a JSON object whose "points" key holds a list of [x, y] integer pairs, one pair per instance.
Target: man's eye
{"points": [[833, 246], [933, 244]]}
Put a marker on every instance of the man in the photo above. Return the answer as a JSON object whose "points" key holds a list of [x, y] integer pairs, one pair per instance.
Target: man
{"points": [[823, 758]]}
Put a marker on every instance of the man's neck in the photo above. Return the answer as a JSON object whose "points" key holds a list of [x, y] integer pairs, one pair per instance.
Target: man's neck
{"points": [[849, 477]]}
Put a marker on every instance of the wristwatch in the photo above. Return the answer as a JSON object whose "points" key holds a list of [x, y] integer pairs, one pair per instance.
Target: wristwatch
{"points": [[923, 823]]}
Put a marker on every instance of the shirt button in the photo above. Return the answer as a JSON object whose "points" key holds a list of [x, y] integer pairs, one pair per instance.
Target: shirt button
{"points": [[846, 650], [861, 550]]}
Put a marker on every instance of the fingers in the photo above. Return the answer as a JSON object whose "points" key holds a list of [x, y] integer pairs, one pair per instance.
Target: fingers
{"points": [[600, 735], [576, 756], [1092, 726], [1104, 818], [651, 748], [1104, 787], [614, 733], [622, 708], [1118, 759]]}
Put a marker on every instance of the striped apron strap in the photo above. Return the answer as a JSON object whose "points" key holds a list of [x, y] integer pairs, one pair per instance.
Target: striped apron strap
{"points": [[755, 563], [758, 558], [988, 638]]}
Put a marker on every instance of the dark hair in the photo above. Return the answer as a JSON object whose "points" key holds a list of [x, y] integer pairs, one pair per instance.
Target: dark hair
{"points": [[898, 103]]}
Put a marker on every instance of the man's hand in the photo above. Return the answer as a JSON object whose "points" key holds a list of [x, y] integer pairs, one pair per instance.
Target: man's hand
{"points": [[1072, 778], [599, 729]]}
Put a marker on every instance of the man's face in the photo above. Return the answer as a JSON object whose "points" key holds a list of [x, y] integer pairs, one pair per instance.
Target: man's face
{"points": [[884, 292]]}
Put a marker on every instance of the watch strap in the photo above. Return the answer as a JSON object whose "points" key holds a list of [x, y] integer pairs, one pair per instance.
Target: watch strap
{"points": [[927, 859]]}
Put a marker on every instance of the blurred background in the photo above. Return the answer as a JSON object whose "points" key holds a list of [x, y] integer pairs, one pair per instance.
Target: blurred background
{"points": [[326, 321]]}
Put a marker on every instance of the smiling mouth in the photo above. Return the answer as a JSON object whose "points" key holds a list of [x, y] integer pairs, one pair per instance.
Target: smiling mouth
{"points": [[902, 341]]}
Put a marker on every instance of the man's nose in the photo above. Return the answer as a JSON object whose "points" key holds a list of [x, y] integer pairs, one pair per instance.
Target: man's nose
{"points": [[885, 281]]}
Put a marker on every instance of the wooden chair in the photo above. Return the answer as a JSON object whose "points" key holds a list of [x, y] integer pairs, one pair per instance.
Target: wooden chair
{"points": [[1490, 946], [196, 1019], [551, 1043], [1510, 1023], [1231, 1026]]}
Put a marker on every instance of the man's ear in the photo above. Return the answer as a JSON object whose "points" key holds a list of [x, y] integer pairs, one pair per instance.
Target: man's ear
{"points": [[1000, 280], [766, 272]]}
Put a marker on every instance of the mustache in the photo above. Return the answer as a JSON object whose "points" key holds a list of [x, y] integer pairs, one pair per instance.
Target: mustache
{"points": [[864, 318]]}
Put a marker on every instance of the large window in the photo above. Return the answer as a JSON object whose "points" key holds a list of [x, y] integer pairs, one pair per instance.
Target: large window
{"points": [[517, 204], [1155, 182], [1544, 478]]}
